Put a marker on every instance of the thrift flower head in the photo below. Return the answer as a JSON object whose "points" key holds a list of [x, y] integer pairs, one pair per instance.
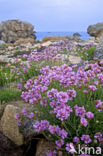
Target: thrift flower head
{"points": [[84, 122], [92, 88], [63, 112], [59, 143], [52, 94], [62, 97], [41, 126], [71, 94], [90, 115], [80, 111], [16, 116], [86, 139], [75, 139]]}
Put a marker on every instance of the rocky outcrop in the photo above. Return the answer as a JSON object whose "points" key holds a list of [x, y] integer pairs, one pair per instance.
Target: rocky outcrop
{"points": [[12, 30], [95, 30]]}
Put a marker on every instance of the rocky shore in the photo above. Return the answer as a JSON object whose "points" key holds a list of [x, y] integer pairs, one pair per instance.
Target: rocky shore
{"points": [[16, 39]]}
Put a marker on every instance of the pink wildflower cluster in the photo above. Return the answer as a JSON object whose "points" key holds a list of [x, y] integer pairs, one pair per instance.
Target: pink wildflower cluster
{"points": [[56, 90]]}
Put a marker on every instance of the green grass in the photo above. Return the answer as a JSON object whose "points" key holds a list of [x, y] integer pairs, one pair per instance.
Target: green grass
{"points": [[9, 95], [89, 52]]}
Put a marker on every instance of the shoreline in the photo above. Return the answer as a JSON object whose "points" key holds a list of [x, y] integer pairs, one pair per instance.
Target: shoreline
{"points": [[41, 35]]}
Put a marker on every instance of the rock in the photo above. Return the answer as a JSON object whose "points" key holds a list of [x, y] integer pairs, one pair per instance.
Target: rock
{"points": [[98, 54], [1, 42], [28, 130], [85, 44], [65, 58], [2, 45], [8, 125], [53, 38], [95, 30], [3, 59], [13, 30], [1, 110], [48, 43], [76, 35], [74, 59], [8, 148], [38, 45], [25, 40], [43, 146]]}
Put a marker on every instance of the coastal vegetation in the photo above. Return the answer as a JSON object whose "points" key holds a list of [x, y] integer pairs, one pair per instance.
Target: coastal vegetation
{"points": [[67, 99]]}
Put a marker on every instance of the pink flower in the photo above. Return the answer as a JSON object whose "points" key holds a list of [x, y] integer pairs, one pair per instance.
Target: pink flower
{"points": [[43, 101], [90, 115], [86, 139], [24, 111], [16, 116], [41, 126], [51, 94], [92, 88], [80, 111], [99, 105], [76, 139], [71, 94], [62, 97], [85, 91], [25, 70], [59, 143], [63, 112], [31, 115], [84, 122]]}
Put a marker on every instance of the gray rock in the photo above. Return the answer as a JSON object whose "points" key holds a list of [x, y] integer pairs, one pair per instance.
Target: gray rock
{"points": [[1, 42], [95, 30], [3, 59], [12, 30], [77, 35], [2, 45], [98, 54]]}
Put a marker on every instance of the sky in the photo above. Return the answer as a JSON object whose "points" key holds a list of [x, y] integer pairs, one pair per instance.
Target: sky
{"points": [[54, 15]]}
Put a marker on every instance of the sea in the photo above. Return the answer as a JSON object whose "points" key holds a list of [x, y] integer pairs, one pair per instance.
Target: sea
{"points": [[41, 35]]}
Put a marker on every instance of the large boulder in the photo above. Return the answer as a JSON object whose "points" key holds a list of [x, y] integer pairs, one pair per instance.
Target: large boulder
{"points": [[12, 30], [95, 30]]}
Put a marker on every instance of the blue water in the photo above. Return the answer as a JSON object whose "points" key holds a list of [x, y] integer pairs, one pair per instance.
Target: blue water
{"points": [[41, 35]]}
